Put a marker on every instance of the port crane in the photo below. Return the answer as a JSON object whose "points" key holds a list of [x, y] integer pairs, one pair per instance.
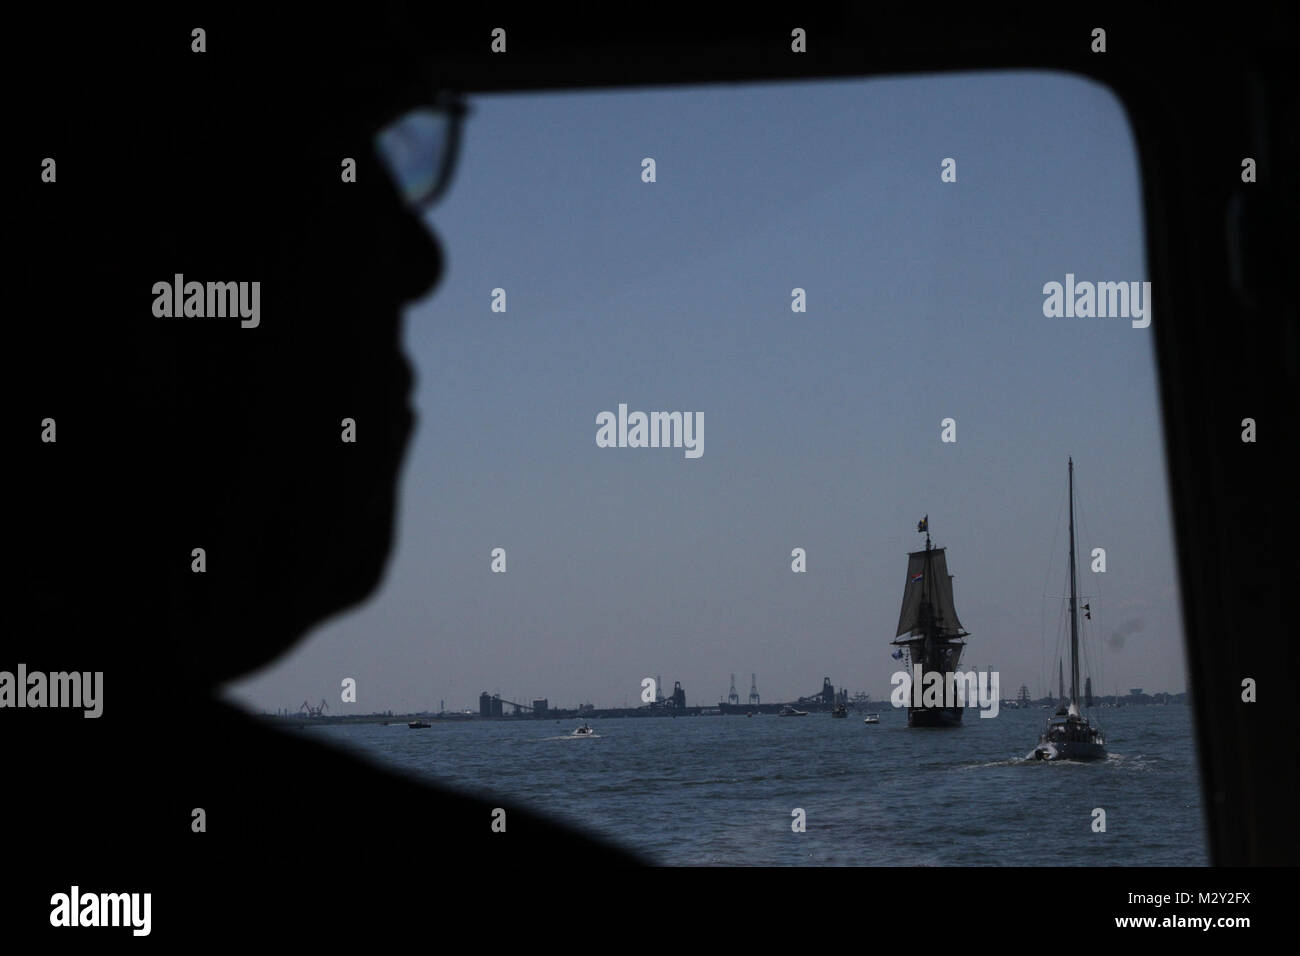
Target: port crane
{"points": [[314, 711]]}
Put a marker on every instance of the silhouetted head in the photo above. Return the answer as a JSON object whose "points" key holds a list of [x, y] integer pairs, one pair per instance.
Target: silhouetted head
{"points": [[178, 433]]}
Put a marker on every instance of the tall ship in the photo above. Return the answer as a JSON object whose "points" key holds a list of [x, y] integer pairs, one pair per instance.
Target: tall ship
{"points": [[929, 633], [1069, 734]]}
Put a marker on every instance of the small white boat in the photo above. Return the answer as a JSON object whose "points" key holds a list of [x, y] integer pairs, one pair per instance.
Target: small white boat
{"points": [[788, 711], [871, 719], [583, 731]]}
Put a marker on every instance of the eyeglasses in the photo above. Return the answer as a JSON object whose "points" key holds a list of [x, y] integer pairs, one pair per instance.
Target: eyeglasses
{"points": [[419, 149]]}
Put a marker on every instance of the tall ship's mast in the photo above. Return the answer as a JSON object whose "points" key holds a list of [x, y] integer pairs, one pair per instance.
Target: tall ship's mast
{"points": [[1069, 735], [928, 629]]}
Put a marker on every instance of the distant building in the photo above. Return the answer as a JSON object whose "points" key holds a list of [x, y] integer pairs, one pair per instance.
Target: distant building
{"points": [[1135, 691], [485, 704], [540, 707]]}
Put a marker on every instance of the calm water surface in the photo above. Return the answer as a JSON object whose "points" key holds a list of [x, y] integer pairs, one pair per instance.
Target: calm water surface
{"points": [[720, 790]]}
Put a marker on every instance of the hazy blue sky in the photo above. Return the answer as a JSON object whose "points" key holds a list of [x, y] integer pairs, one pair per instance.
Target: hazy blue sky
{"points": [[822, 429]]}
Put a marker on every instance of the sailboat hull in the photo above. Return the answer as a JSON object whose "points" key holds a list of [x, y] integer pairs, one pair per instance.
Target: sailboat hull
{"points": [[1072, 750], [1070, 737]]}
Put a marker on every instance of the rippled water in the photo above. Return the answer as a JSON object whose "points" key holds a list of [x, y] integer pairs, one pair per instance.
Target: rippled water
{"points": [[720, 790]]}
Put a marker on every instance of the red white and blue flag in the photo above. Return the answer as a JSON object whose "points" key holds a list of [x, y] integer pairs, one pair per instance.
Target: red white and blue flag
{"points": [[918, 576]]}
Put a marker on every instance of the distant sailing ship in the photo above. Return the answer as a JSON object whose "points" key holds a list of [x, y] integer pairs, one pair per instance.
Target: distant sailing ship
{"points": [[933, 634], [1069, 735]]}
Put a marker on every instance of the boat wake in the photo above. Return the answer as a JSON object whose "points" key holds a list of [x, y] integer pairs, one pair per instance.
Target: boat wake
{"points": [[1008, 762]]}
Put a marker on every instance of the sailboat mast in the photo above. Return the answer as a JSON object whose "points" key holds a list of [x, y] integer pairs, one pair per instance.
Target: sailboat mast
{"points": [[1074, 614]]}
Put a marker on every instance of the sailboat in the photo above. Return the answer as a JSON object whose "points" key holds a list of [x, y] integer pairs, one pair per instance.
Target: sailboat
{"points": [[928, 630], [1069, 735]]}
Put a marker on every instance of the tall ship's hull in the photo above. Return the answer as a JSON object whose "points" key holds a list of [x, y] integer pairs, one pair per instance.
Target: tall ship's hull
{"points": [[944, 658], [934, 716]]}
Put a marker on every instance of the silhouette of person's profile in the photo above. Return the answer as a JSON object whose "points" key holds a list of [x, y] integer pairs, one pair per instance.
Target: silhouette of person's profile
{"points": [[197, 510]]}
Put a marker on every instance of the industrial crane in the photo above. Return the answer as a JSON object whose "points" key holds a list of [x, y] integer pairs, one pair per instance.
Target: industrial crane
{"points": [[314, 711]]}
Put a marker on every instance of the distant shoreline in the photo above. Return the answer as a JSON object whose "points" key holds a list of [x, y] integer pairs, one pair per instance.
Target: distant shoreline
{"points": [[719, 710]]}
